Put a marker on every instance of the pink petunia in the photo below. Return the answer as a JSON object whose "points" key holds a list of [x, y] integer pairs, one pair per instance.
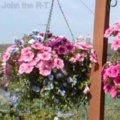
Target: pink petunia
{"points": [[114, 93], [59, 64], [82, 45], [116, 44], [107, 88], [93, 56], [37, 46], [40, 64], [25, 68], [75, 58], [45, 70], [47, 49], [28, 57], [86, 90], [45, 56], [5, 56], [112, 71], [50, 63], [117, 80], [25, 50], [108, 32]]}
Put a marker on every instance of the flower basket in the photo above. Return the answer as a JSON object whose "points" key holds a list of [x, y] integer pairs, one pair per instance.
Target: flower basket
{"points": [[111, 69], [52, 73]]}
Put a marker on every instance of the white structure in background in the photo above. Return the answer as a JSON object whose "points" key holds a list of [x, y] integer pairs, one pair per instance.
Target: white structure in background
{"points": [[81, 38]]}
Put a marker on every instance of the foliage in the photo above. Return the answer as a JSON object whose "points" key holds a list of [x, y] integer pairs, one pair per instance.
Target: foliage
{"points": [[52, 73], [111, 69]]}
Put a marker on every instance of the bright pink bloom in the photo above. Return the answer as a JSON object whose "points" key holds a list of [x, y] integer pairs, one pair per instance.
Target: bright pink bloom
{"points": [[116, 44], [108, 32], [117, 80], [114, 93], [37, 46], [59, 64], [112, 71], [28, 57], [45, 70], [25, 50], [107, 88], [6, 56]]}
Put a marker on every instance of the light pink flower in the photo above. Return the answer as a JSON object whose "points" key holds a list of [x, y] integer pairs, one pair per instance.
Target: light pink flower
{"points": [[45, 70], [75, 58], [82, 45], [25, 68], [25, 50], [9, 49], [37, 46], [86, 90], [108, 32], [59, 64], [28, 57], [93, 56], [50, 63], [116, 44], [47, 49], [40, 64], [5, 56], [45, 56], [112, 71]]}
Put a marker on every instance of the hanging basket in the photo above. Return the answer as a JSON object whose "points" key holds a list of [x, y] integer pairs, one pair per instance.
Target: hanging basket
{"points": [[56, 72]]}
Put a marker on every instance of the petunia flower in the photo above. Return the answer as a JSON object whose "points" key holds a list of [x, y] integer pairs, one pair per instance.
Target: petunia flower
{"points": [[59, 64]]}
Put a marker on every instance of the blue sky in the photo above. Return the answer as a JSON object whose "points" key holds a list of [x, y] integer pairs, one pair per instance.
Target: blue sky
{"points": [[30, 14]]}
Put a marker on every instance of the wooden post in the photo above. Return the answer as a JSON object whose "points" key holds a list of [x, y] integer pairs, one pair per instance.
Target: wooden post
{"points": [[100, 45]]}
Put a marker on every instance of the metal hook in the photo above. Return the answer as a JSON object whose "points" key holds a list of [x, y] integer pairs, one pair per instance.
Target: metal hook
{"points": [[114, 4]]}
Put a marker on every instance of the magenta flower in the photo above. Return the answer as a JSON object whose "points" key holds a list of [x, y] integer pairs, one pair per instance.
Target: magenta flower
{"points": [[112, 71], [117, 80], [61, 50], [69, 47], [37, 46], [114, 93], [59, 64], [116, 44], [107, 88]]}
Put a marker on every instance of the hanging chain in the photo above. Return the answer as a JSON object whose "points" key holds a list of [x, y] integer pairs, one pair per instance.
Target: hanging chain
{"points": [[65, 20], [49, 20]]}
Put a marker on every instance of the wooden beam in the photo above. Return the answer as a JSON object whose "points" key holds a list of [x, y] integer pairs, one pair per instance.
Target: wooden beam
{"points": [[100, 45]]}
